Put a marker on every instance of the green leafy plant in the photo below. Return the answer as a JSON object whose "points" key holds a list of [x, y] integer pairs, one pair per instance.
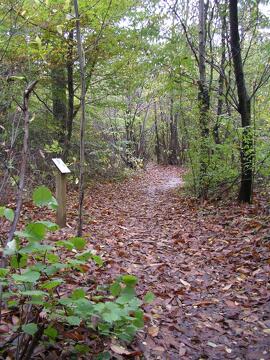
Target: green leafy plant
{"points": [[34, 283]]}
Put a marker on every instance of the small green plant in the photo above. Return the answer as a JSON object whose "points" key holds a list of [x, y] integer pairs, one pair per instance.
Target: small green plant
{"points": [[34, 287]]}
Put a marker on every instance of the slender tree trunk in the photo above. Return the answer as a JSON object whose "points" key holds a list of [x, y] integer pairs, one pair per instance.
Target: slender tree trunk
{"points": [[26, 97], [59, 98], [70, 85], [221, 80], [157, 147], [203, 97], [174, 143], [247, 154], [82, 124], [19, 200]]}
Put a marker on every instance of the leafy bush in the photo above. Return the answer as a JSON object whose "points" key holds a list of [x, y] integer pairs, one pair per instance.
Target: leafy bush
{"points": [[33, 284]]}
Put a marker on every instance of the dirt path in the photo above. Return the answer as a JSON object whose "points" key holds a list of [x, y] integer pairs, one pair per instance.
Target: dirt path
{"points": [[208, 267]]}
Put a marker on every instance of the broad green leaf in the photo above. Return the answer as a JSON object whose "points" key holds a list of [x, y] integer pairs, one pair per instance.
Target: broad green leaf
{"points": [[103, 356], [78, 242], [9, 214], [52, 258], [78, 294], [30, 328], [33, 293], [3, 272], [115, 288], [49, 225], [130, 280], [33, 232], [10, 248], [82, 349], [53, 269], [51, 284], [97, 259], [18, 261], [2, 210], [28, 276], [84, 256], [148, 297], [35, 248], [42, 196], [51, 332], [73, 320], [127, 294], [67, 244]]}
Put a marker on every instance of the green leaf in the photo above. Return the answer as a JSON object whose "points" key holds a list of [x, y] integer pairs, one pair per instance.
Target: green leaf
{"points": [[109, 311], [130, 280], [103, 356], [86, 255], [82, 349], [53, 269], [97, 259], [33, 293], [51, 332], [33, 232], [78, 242], [10, 248], [78, 294], [3, 272], [52, 258], [35, 248], [30, 328], [67, 244], [28, 276], [148, 297], [49, 225], [18, 261], [115, 288], [51, 284], [73, 320], [42, 196], [9, 214]]}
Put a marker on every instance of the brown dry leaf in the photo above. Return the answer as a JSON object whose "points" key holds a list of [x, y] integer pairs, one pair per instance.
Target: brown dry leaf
{"points": [[120, 350], [182, 349], [15, 320], [153, 330]]}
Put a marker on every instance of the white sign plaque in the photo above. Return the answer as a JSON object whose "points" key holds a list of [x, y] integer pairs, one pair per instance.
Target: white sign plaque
{"points": [[61, 166]]}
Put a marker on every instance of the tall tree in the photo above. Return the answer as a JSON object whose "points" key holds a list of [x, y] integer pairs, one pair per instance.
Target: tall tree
{"points": [[82, 123], [247, 153], [203, 96]]}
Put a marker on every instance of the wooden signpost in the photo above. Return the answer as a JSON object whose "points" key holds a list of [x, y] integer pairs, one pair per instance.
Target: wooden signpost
{"points": [[61, 188]]}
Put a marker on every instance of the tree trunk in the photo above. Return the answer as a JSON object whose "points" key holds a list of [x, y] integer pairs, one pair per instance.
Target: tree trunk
{"points": [[26, 116], [70, 85], [247, 153], [59, 98], [221, 80], [174, 144], [203, 97], [157, 147], [82, 124]]}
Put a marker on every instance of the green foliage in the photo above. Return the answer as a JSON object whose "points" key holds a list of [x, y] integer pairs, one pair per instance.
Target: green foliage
{"points": [[36, 275]]}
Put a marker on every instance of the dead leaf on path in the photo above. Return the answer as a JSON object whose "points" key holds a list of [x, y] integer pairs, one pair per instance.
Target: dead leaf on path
{"points": [[120, 350], [185, 283], [182, 349], [153, 331]]}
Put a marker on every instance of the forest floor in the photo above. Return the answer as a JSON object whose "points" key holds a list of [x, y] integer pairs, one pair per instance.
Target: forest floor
{"points": [[207, 264]]}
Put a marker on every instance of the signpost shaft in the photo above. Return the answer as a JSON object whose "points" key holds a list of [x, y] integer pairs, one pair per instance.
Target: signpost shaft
{"points": [[61, 184]]}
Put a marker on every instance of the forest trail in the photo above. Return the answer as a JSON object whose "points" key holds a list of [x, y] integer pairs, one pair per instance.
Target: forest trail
{"points": [[206, 265]]}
